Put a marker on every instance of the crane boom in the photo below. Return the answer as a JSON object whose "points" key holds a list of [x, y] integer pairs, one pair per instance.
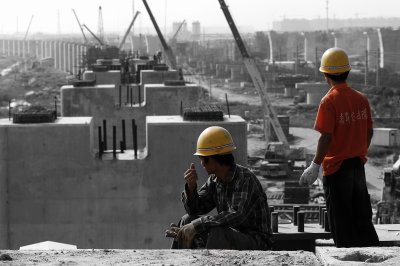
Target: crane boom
{"points": [[128, 30], [94, 35], [167, 50], [177, 31], [26, 34], [80, 27], [254, 72]]}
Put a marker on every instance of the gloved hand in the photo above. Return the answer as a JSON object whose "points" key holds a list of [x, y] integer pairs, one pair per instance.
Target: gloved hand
{"points": [[310, 174], [172, 231], [186, 235]]}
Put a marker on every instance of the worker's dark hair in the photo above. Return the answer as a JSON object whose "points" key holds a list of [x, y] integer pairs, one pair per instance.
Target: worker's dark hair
{"points": [[224, 159], [338, 78]]}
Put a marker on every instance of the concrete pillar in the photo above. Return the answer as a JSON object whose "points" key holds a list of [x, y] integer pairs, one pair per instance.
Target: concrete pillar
{"points": [[55, 54], [69, 59], [14, 51], [60, 55], [37, 45], [42, 49], [73, 58], [65, 61], [18, 47], [23, 49], [9, 47]]}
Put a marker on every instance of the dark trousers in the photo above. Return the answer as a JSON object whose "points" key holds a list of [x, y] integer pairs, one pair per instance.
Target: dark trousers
{"points": [[349, 207], [220, 238]]}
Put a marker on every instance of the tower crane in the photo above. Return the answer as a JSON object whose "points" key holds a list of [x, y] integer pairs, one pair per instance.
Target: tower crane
{"points": [[167, 50], [128, 30], [269, 113], [80, 27]]}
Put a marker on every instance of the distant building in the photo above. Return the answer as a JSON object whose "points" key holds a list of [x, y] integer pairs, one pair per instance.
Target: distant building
{"points": [[196, 31], [320, 24]]}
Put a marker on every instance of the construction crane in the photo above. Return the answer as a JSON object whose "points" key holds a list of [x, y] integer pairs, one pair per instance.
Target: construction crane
{"points": [[177, 32], [269, 113], [100, 27], [26, 34], [167, 50], [94, 35], [128, 30], [80, 27]]}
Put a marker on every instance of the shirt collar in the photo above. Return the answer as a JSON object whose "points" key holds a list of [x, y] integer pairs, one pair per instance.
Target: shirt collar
{"points": [[339, 86]]}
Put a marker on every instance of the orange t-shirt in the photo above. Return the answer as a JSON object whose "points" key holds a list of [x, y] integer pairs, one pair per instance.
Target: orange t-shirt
{"points": [[345, 113]]}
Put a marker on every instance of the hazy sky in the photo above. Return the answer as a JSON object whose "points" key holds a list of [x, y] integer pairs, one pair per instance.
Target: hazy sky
{"points": [[117, 14]]}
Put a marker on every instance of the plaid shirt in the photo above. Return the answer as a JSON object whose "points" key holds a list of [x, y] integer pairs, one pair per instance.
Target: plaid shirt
{"points": [[241, 204]]}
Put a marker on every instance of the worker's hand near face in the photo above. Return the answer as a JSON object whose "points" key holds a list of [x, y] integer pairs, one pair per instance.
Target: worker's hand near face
{"points": [[191, 179], [186, 235], [310, 174]]}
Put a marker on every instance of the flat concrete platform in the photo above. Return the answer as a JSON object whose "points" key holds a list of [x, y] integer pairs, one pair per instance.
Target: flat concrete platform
{"points": [[331, 256], [159, 257]]}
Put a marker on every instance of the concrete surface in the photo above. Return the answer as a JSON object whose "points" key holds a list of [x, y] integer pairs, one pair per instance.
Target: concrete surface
{"points": [[103, 77], [100, 102], [160, 257], [331, 256], [52, 188]]}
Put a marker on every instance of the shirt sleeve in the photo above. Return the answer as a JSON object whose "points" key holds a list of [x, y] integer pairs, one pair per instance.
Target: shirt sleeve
{"points": [[202, 201], [238, 210], [325, 121]]}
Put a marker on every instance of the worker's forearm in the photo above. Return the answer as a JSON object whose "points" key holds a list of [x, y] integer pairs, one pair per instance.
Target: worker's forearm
{"points": [[324, 143]]}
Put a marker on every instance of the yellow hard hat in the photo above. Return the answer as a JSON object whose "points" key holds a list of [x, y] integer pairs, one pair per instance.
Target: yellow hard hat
{"points": [[214, 140], [334, 61]]}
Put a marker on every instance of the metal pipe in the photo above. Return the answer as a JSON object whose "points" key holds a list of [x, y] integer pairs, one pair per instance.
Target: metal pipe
{"points": [[105, 135], [114, 142], [274, 222], [121, 146], [326, 222], [55, 106], [100, 144], [296, 209], [131, 92], [134, 134], [181, 109], [139, 96], [227, 104], [120, 98], [9, 109], [123, 134], [300, 221], [127, 95], [320, 215], [323, 217]]}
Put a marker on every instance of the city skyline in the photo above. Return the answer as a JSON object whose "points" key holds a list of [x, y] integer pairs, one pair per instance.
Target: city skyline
{"points": [[57, 17]]}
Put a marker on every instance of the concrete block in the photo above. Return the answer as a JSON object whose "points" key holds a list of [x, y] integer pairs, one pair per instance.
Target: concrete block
{"points": [[102, 78], [48, 245], [157, 77]]}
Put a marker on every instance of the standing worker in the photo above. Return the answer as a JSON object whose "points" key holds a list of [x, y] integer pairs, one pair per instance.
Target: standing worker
{"points": [[345, 123], [242, 218]]}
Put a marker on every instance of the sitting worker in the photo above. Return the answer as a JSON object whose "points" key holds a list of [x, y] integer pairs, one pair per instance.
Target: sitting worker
{"points": [[242, 220], [345, 123]]}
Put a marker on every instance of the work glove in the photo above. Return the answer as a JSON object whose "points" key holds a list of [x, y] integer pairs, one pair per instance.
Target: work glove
{"points": [[172, 231], [310, 174], [186, 235]]}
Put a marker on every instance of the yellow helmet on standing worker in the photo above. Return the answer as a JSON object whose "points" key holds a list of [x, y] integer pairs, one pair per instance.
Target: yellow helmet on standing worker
{"points": [[214, 140], [334, 61]]}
